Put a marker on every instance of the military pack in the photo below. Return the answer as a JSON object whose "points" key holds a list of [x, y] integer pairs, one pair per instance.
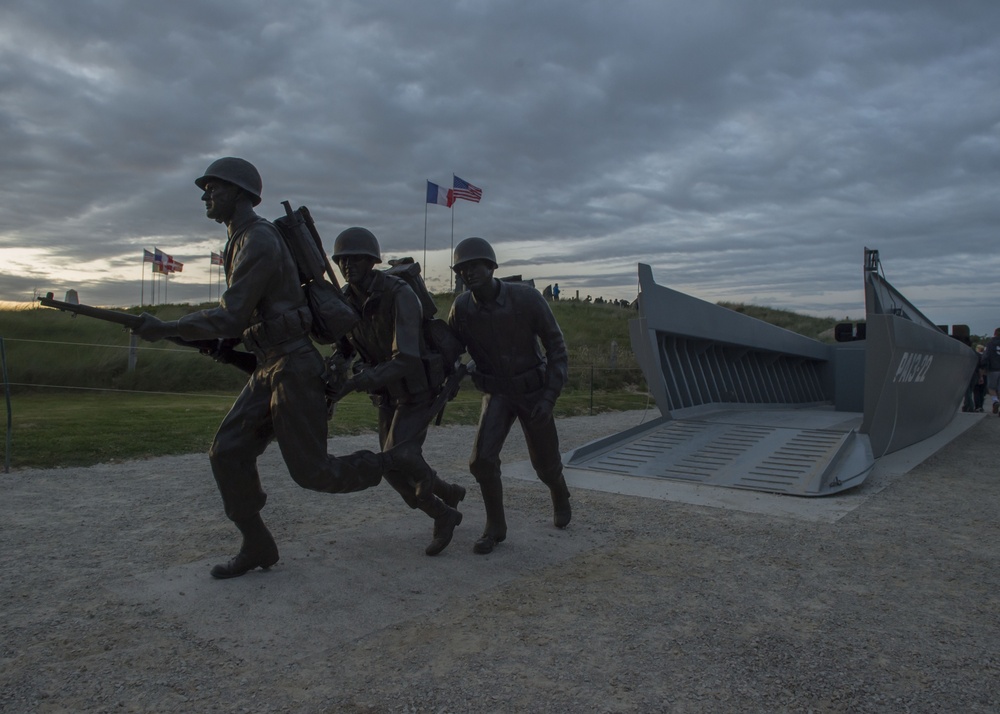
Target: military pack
{"points": [[332, 315], [439, 336]]}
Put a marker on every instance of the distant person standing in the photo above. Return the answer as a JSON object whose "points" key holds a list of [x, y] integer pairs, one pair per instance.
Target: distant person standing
{"points": [[990, 360], [505, 328], [555, 291], [979, 383]]}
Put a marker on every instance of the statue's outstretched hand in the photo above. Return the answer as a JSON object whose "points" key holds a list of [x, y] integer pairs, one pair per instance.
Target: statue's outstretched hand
{"points": [[152, 328]]}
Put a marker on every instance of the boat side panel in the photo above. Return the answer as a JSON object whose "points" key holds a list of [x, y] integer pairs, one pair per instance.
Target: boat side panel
{"points": [[916, 378]]}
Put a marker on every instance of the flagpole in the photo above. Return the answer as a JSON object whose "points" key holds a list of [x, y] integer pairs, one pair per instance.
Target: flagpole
{"points": [[425, 239], [451, 273], [142, 280]]}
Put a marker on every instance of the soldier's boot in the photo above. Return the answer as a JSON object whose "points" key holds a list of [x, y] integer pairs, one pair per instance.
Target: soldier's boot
{"points": [[446, 519], [496, 521], [257, 551], [561, 510], [450, 493]]}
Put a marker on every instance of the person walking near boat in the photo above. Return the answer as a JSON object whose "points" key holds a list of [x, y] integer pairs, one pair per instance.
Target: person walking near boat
{"points": [[990, 359]]}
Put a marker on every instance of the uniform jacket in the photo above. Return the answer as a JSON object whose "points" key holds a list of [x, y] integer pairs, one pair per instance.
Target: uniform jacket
{"points": [[264, 302], [506, 339], [388, 338]]}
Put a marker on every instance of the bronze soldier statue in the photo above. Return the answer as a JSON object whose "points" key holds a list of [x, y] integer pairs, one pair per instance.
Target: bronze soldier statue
{"points": [[284, 399], [391, 365], [505, 326]]}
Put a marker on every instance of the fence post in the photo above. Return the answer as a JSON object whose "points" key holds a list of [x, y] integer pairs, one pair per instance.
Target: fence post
{"points": [[591, 390], [6, 393], [133, 351]]}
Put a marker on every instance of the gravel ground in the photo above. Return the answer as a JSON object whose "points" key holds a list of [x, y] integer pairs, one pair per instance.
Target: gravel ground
{"points": [[641, 605]]}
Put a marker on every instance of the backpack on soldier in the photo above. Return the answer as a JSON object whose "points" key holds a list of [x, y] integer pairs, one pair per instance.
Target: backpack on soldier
{"points": [[440, 338], [332, 316]]}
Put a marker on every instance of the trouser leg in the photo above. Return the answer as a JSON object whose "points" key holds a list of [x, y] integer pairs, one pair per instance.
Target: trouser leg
{"points": [[240, 439], [402, 423], [402, 428], [542, 441], [495, 421], [298, 413]]}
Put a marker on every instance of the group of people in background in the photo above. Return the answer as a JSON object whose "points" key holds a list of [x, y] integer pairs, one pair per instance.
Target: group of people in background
{"points": [[986, 379], [551, 292], [518, 361]]}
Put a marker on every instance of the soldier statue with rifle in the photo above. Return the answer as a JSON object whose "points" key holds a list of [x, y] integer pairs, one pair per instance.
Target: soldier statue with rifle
{"points": [[266, 306]]}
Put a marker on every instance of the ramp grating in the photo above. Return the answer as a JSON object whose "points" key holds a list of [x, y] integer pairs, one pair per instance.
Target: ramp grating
{"points": [[758, 456]]}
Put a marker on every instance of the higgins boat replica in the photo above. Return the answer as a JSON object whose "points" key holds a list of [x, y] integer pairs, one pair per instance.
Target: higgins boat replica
{"points": [[745, 404]]}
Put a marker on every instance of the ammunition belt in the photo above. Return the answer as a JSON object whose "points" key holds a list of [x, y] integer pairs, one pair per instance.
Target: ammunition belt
{"points": [[524, 383]]}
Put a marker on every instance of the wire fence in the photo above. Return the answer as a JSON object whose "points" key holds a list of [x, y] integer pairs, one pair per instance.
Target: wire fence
{"points": [[39, 368], [31, 364]]}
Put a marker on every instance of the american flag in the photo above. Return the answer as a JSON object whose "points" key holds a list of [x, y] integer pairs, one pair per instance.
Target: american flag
{"points": [[465, 190]]}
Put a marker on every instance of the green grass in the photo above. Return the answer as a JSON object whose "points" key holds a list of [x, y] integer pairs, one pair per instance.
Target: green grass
{"points": [[819, 328], [75, 428], [74, 402]]}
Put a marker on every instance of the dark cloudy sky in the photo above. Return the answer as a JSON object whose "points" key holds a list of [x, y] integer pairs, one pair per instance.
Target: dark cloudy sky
{"points": [[748, 150]]}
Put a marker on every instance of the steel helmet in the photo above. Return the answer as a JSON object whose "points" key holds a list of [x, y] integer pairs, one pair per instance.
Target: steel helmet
{"points": [[238, 172], [474, 249], [357, 241]]}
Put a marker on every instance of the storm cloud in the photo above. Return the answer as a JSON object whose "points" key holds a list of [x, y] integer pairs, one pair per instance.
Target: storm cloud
{"points": [[748, 151]]}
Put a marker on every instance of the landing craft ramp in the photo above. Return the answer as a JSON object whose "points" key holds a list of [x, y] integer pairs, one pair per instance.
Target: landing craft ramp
{"points": [[749, 405], [794, 451]]}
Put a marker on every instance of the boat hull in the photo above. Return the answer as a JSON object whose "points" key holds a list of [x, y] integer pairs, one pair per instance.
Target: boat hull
{"points": [[915, 379]]}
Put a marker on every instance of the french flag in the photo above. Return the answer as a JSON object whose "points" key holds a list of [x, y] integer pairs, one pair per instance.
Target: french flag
{"points": [[440, 195]]}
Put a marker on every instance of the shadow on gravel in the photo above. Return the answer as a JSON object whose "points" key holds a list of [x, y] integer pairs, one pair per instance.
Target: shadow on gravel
{"points": [[344, 585]]}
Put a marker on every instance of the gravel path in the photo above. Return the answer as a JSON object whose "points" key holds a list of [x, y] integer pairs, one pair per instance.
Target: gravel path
{"points": [[640, 605]]}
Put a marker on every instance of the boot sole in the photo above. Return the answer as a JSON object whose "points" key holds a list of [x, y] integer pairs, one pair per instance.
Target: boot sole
{"points": [[223, 572]]}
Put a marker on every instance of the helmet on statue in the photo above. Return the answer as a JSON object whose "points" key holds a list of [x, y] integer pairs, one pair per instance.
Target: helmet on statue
{"points": [[238, 172], [357, 241], [473, 249]]}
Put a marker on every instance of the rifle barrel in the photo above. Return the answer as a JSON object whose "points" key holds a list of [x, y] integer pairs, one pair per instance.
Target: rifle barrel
{"points": [[120, 318]]}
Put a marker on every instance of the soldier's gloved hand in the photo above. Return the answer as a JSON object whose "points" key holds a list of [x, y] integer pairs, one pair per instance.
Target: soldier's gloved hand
{"points": [[345, 388], [542, 411], [152, 328]]}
